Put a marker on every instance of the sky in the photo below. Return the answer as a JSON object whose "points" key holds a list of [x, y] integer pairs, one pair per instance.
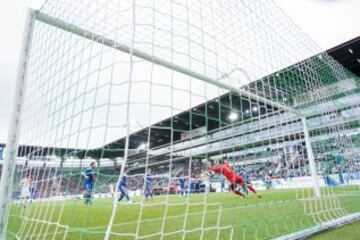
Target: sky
{"points": [[328, 22]]}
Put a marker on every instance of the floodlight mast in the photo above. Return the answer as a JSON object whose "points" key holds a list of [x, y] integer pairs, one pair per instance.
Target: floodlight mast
{"points": [[9, 162]]}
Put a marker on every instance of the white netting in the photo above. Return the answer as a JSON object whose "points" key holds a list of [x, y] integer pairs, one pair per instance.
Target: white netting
{"points": [[170, 86]]}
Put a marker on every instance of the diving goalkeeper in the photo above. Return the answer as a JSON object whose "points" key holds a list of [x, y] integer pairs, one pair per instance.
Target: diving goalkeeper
{"points": [[225, 169]]}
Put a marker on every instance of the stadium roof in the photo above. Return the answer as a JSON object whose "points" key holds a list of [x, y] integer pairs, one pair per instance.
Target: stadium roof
{"points": [[348, 55]]}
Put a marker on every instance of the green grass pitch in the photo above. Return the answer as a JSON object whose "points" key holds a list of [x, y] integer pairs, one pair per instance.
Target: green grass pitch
{"points": [[224, 215]]}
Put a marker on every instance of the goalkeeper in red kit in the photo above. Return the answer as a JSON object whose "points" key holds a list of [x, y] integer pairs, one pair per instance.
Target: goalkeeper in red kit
{"points": [[225, 169]]}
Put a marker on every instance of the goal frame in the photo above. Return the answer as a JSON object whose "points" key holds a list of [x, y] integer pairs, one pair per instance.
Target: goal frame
{"points": [[9, 162]]}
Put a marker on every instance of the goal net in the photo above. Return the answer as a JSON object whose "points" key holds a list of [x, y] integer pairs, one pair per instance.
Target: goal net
{"points": [[125, 109]]}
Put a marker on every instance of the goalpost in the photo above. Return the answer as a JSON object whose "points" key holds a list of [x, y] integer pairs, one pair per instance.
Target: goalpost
{"points": [[8, 168], [166, 86]]}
